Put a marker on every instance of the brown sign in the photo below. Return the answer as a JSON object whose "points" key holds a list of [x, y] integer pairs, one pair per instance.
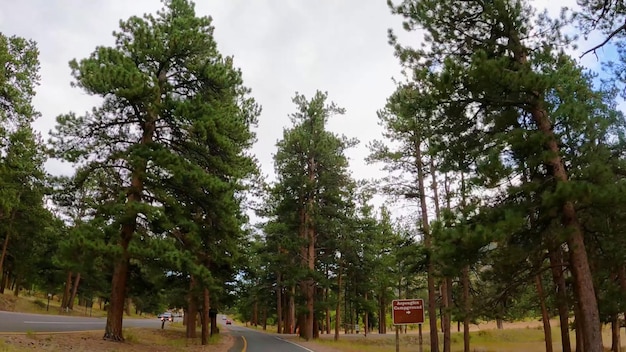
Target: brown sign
{"points": [[407, 311]]}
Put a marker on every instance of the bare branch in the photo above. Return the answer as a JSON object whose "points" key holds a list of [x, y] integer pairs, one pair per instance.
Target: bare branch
{"points": [[614, 33]]}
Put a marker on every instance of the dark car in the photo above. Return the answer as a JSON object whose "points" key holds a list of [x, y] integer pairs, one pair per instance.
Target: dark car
{"points": [[228, 322]]}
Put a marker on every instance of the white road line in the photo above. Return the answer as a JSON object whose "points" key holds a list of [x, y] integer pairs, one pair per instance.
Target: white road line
{"points": [[63, 322], [295, 344]]}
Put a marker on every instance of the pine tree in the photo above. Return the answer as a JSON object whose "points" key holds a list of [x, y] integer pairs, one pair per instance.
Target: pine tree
{"points": [[517, 103], [312, 184], [408, 119], [174, 114]]}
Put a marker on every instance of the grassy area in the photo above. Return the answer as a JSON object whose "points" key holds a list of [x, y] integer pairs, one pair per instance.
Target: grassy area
{"points": [[172, 338], [512, 339], [38, 304], [137, 340]]}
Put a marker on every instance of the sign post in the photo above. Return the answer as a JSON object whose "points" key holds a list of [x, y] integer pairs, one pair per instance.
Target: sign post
{"points": [[405, 312]]}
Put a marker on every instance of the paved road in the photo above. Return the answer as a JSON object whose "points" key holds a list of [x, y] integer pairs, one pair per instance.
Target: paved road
{"points": [[21, 322], [247, 340]]}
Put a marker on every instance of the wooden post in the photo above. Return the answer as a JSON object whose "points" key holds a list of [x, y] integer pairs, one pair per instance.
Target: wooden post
{"points": [[420, 340], [397, 339]]}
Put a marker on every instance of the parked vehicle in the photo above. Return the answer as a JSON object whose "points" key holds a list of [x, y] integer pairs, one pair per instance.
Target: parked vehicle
{"points": [[228, 322], [167, 316]]}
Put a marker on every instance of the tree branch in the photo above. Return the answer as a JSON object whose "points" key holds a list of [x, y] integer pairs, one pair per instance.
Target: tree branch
{"points": [[614, 33]]}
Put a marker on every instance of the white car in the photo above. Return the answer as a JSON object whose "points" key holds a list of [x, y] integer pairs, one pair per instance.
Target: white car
{"points": [[167, 316]]}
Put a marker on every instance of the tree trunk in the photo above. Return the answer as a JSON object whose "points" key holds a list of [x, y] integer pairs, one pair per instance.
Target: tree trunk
{"points": [[446, 286], [316, 327], [192, 309], [279, 303], [578, 325], [127, 305], [5, 245], [545, 316], [615, 338], [16, 287], [557, 267], [365, 318], [445, 316], [292, 310], [204, 317], [255, 313], [308, 285], [66, 291], [338, 304], [621, 275], [70, 304], [327, 312], [115, 312], [579, 262], [432, 299], [264, 318], [3, 284], [382, 315], [466, 308]]}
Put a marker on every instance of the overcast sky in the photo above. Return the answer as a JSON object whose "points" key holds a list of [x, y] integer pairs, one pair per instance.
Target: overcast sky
{"points": [[282, 46]]}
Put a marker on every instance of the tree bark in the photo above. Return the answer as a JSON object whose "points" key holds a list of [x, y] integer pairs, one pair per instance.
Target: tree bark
{"points": [[445, 316], [127, 304], [615, 338], [327, 317], [466, 308], [307, 232], [115, 312], [5, 245], [557, 267], [292, 310], [70, 304], [621, 275], [204, 317], [545, 316], [192, 309], [338, 304], [255, 312], [67, 290], [432, 299], [264, 318], [365, 319], [579, 326], [16, 286], [279, 303], [579, 262], [382, 314]]}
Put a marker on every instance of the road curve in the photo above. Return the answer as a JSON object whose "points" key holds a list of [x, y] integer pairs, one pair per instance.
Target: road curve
{"points": [[11, 322], [248, 340]]}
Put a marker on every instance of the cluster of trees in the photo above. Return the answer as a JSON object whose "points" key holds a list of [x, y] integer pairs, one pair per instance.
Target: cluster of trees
{"points": [[514, 153], [154, 209], [512, 150]]}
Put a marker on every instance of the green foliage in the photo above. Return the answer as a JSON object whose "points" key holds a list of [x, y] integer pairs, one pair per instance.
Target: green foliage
{"points": [[164, 155]]}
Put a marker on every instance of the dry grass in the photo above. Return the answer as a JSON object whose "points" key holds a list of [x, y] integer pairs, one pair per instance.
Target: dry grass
{"points": [[38, 304], [515, 337], [137, 340]]}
